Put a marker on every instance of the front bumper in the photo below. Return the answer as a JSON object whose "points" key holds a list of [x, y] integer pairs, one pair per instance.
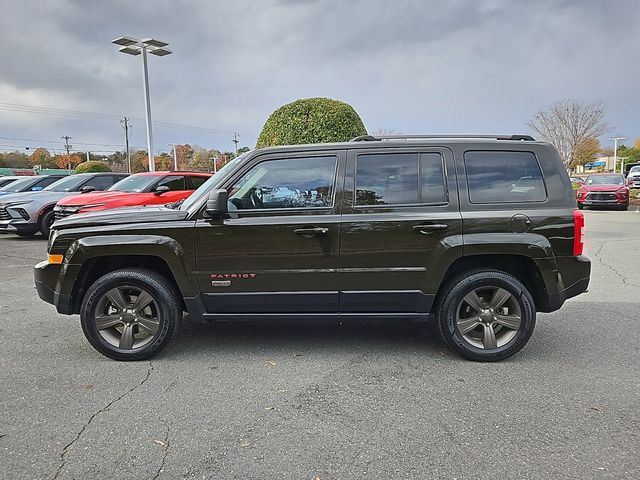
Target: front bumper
{"points": [[46, 277], [17, 226]]}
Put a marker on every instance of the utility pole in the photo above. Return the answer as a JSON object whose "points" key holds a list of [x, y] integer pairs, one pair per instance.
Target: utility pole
{"points": [[67, 147], [235, 140], [615, 151], [125, 124]]}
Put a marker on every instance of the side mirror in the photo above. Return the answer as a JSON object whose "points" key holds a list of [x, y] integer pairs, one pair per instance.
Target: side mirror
{"points": [[87, 189], [217, 204], [161, 189]]}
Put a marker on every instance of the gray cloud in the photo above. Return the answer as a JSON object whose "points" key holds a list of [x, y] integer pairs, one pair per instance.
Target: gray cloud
{"points": [[410, 66]]}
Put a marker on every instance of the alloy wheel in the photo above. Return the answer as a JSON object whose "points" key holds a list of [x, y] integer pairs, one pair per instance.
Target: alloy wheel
{"points": [[127, 317], [488, 317]]}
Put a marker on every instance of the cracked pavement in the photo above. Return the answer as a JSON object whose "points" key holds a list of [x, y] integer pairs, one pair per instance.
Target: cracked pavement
{"points": [[299, 401]]}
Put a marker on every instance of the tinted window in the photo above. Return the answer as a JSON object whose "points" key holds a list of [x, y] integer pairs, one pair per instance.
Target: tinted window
{"points": [[399, 178], [286, 183], [45, 182], [504, 177], [174, 182], [68, 184], [100, 183], [196, 182]]}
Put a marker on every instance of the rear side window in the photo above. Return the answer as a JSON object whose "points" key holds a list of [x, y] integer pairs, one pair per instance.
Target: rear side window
{"points": [[504, 177], [399, 179], [100, 183], [196, 181], [45, 182]]}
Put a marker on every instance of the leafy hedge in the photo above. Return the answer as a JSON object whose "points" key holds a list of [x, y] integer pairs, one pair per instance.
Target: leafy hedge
{"points": [[311, 120], [92, 166]]}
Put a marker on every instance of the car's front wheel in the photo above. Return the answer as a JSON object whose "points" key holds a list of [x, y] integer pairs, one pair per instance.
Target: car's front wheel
{"points": [[45, 223], [130, 314], [486, 315]]}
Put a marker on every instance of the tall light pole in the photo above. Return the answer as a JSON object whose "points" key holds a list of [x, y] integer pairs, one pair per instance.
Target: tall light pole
{"points": [[133, 46], [615, 151], [175, 156]]}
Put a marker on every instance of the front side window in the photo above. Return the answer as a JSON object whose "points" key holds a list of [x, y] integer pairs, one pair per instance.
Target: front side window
{"points": [[174, 182], [504, 177], [286, 183], [400, 179]]}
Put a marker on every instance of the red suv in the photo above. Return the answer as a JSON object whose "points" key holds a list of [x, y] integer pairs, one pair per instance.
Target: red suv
{"points": [[141, 189], [604, 190]]}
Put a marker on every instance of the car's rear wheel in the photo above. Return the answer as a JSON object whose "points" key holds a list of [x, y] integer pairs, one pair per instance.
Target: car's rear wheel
{"points": [[130, 314], [486, 315], [45, 223]]}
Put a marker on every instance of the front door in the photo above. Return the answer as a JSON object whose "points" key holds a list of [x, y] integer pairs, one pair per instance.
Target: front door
{"points": [[278, 251], [401, 227]]}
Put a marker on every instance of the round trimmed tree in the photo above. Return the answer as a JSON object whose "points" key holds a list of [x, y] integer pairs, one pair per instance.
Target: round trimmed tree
{"points": [[311, 120], [92, 166]]}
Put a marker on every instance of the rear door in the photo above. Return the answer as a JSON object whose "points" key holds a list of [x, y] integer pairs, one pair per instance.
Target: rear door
{"points": [[401, 227]]}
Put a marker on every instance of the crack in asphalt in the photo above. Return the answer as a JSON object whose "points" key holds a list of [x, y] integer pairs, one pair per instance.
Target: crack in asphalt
{"points": [[166, 452], [625, 279], [65, 450]]}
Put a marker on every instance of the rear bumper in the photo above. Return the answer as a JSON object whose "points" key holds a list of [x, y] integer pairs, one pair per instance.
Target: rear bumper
{"points": [[573, 279]]}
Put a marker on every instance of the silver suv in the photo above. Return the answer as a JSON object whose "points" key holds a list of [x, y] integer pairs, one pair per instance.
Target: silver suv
{"points": [[27, 213]]}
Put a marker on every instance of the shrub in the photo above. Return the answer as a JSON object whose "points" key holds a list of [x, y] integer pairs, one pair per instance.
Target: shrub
{"points": [[311, 120], [92, 166]]}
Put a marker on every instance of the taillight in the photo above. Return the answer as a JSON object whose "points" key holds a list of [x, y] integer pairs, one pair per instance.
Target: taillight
{"points": [[578, 232]]}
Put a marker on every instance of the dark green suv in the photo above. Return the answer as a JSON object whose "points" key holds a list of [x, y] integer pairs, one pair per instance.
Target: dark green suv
{"points": [[478, 233]]}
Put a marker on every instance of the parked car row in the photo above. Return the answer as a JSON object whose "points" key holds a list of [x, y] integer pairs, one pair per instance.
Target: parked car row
{"points": [[29, 205]]}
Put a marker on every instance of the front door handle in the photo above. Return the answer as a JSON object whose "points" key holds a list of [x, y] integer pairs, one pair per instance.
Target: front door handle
{"points": [[427, 229], [311, 231]]}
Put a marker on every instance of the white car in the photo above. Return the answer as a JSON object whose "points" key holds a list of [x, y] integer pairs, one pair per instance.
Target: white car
{"points": [[633, 177]]}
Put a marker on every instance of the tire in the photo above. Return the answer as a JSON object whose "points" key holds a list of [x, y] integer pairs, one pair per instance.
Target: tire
{"points": [[623, 208], [45, 223], [148, 329], [455, 317], [580, 206]]}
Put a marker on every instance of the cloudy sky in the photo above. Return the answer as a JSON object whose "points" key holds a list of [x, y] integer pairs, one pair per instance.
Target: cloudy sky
{"points": [[407, 66]]}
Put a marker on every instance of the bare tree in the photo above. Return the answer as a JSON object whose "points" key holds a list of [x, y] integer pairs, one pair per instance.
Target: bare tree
{"points": [[567, 124]]}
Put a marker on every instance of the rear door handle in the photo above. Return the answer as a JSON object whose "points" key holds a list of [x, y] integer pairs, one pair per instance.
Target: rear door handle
{"points": [[311, 231], [426, 229]]}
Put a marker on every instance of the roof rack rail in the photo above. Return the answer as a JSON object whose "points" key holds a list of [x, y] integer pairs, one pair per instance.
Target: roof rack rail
{"points": [[372, 138]]}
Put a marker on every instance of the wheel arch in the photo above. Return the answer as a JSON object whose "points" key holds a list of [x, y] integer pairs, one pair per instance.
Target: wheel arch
{"points": [[521, 267], [95, 267]]}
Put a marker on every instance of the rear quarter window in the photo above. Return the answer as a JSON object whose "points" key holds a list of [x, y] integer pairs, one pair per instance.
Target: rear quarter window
{"points": [[504, 177]]}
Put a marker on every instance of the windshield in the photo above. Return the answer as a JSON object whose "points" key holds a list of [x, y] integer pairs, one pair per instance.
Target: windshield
{"points": [[605, 180], [635, 169], [134, 183], [18, 185], [67, 184], [204, 189]]}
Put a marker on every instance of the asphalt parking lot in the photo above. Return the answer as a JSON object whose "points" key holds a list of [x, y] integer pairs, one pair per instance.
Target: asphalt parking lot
{"points": [[303, 401]]}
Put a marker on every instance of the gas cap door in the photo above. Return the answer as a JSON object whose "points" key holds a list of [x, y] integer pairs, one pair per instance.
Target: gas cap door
{"points": [[520, 223]]}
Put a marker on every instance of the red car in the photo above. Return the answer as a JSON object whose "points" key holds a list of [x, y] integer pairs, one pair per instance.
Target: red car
{"points": [[604, 190], [141, 189]]}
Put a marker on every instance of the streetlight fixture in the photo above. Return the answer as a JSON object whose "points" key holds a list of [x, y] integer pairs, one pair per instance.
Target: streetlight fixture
{"points": [[615, 151], [133, 46]]}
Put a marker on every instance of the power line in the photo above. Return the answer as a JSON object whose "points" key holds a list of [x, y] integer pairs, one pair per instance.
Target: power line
{"points": [[16, 107]]}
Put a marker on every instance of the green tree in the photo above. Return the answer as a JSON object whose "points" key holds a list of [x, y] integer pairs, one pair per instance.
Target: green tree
{"points": [[92, 166], [311, 120]]}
